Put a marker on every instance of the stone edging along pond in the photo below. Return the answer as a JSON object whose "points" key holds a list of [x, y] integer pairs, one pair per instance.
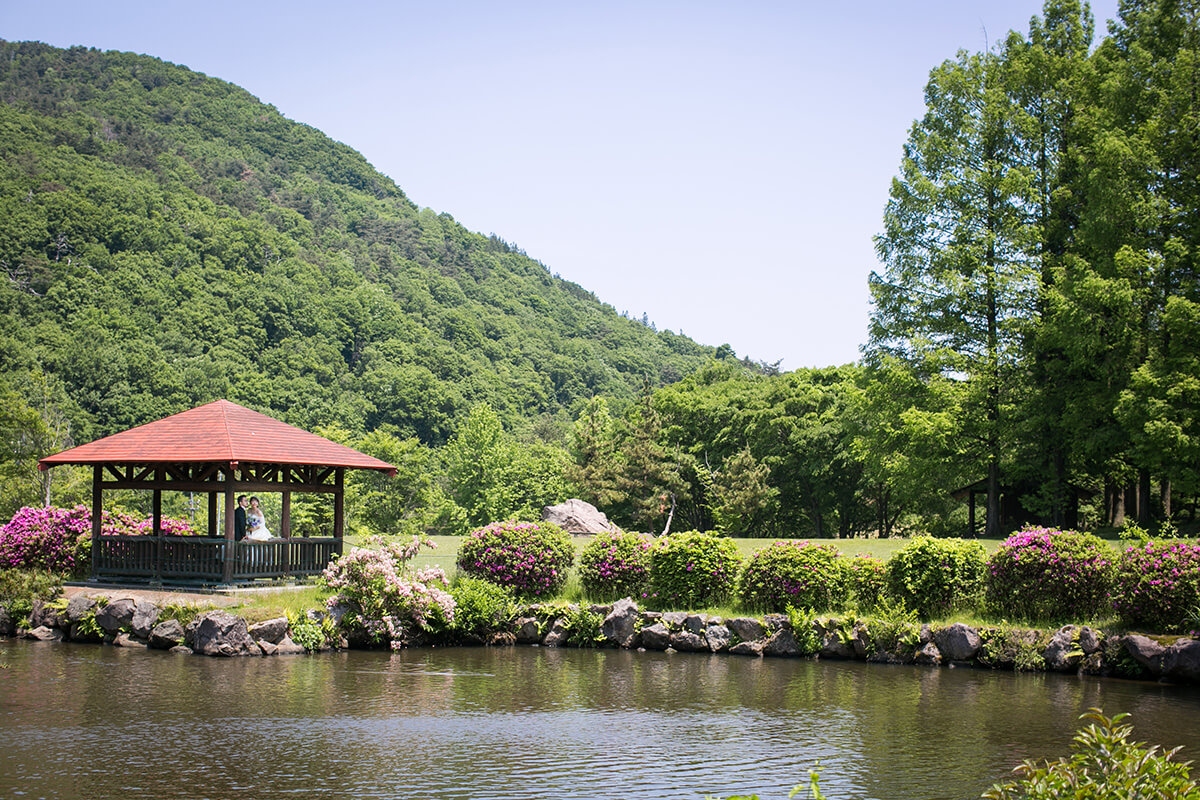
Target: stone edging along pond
{"points": [[130, 622]]}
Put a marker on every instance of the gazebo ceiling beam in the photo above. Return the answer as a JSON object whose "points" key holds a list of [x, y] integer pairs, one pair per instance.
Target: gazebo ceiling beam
{"points": [[216, 486]]}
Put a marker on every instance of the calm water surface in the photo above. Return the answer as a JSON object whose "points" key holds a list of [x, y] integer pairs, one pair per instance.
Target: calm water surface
{"points": [[79, 721]]}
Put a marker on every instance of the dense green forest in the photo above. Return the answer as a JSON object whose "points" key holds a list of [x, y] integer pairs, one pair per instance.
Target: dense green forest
{"points": [[1034, 337]]}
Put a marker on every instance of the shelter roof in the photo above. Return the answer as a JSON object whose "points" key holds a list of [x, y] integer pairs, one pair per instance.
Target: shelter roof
{"points": [[217, 432]]}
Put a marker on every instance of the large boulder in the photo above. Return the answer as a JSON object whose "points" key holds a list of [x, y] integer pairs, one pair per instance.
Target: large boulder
{"points": [[656, 637], [576, 516], [746, 628], [1146, 652], [1063, 653], [79, 607], [688, 641], [1181, 661], [8, 625], [44, 634], [718, 637], [558, 635], [958, 642], [116, 615], [166, 634], [620, 626], [219, 633], [145, 617], [528, 630], [271, 630], [781, 643]]}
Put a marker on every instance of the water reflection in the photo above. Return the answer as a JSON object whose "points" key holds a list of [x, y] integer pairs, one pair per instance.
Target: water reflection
{"points": [[84, 721]]}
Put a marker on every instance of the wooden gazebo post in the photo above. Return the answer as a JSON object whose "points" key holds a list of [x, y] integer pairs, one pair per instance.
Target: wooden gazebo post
{"points": [[97, 515], [230, 544]]}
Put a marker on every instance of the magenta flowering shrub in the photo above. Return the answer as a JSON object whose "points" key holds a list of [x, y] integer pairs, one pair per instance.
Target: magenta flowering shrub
{"points": [[1047, 575], [531, 558], [615, 565], [692, 569], [1157, 585], [384, 599], [795, 574]]}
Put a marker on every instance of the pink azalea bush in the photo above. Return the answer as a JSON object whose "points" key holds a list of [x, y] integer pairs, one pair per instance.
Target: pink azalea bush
{"points": [[692, 569], [531, 558], [1157, 584], [615, 565], [1042, 574], [797, 574], [384, 598], [59, 539]]}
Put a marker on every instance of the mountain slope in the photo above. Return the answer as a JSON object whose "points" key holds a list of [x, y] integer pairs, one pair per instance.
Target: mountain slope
{"points": [[169, 239]]}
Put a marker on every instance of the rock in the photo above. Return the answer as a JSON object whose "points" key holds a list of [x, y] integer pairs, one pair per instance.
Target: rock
{"points": [[577, 516], [219, 633], [77, 634], [775, 622], [1063, 653], [695, 623], [781, 643], [674, 619], [1181, 661], [958, 642], [862, 642], [833, 645], [182, 650], [8, 625], [928, 654], [688, 641], [166, 634], [926, 635], [747, 628], [267, 648], [1090, 641], [116, 615], [751, 648], [620, 626], [128, 640], [1146, 652], [79, 607], [501, 639], [718, 638], [44, 634], [287, 647], [656, 637], [528, 630], [557, 636], [650, 617], [44, 614], [145, 617], [189, 631], [270, 631]]}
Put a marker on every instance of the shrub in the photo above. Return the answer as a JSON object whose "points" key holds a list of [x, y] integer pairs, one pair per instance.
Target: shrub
{"points": [[1104, 765], [384, 598], [792, 573], [531, 558], [1040, 574], [1156, 584], [692, 569], [19, 588], [935, 576], [481, 608], [615, 565], [868, 581]]}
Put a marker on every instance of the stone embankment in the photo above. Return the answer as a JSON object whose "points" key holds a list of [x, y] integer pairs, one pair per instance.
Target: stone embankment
{"points": [[133, 622]]}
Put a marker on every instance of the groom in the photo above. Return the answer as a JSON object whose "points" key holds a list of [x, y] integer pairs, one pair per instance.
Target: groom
{"points": [[239, 519]]}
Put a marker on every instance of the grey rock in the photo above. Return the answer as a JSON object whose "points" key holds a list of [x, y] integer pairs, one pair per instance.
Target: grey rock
{"points": [[271, 630], [79, 607], [650, 617], [928, 654], [577, 516], [115, 615], [129, 640], [775, 622], [718, 638], [220, 633], [182, 650], [335, 614], [688, 641], [44, 634], [695, 623], [958, 642], [674, 619], [166, 634], [656, 637], [145, 617], [926, 635], [1181, 661], [1062, 653], [1146, 652], [750, 648], [557, 636], [43, 614], [286, 647], [528, 630], [1090, 641], [620, 626], [747, 628], [834, 646], [781, 643], [8, 625], [189, 632], [862, 643], [267, 648]]}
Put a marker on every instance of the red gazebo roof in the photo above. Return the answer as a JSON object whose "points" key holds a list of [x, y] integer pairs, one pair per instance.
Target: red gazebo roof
{"points": [[221, 432]]}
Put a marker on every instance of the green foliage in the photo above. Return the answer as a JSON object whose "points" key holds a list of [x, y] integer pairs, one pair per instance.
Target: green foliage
{"points": [[1104, 765], [795, 573], [692, 569], [1009, 646], [481, 607], [312, 632], [1049, 575], [868, 581], [804, 629], [531, 558], [20, 588], [936, 576], [893, 626], [616, 565], [583, 626]]}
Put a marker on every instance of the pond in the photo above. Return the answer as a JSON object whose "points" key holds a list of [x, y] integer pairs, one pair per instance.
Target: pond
{"points": [[96, 722]]}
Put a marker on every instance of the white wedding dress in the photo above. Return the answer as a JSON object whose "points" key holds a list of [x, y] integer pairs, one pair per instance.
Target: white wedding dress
{"points": [[257, 526]]}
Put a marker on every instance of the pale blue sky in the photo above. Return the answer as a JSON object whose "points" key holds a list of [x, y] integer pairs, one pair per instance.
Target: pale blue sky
{"points": [[721, 167]]}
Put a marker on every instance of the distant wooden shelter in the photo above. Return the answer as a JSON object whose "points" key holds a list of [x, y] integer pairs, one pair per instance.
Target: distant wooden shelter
{"points": [[1013, 512], [218, 449]]}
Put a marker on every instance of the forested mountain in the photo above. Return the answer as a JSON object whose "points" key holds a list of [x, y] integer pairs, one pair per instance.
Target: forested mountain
{"points": [[167, 239]]}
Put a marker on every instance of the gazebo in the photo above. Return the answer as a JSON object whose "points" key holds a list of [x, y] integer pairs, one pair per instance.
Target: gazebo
{"points": [[217, 449]]}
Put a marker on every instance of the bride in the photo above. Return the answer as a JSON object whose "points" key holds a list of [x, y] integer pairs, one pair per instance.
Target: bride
{"points": [[256, 524]]}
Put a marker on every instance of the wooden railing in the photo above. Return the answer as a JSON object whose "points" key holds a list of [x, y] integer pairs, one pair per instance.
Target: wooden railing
{"points": [[200, 559]]}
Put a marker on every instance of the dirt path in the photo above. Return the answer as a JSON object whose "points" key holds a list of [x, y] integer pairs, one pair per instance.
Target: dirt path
{"points": [[160, 597]]}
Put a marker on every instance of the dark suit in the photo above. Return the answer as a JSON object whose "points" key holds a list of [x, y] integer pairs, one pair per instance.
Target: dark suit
{"points": [[239, 524]]}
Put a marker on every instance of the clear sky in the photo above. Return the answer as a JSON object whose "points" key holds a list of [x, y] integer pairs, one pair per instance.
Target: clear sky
{"points": [[719, 166]]}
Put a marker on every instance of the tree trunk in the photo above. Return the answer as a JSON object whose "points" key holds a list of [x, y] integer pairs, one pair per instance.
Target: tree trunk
{"points": [[1165, 492], [1117, 495]]}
